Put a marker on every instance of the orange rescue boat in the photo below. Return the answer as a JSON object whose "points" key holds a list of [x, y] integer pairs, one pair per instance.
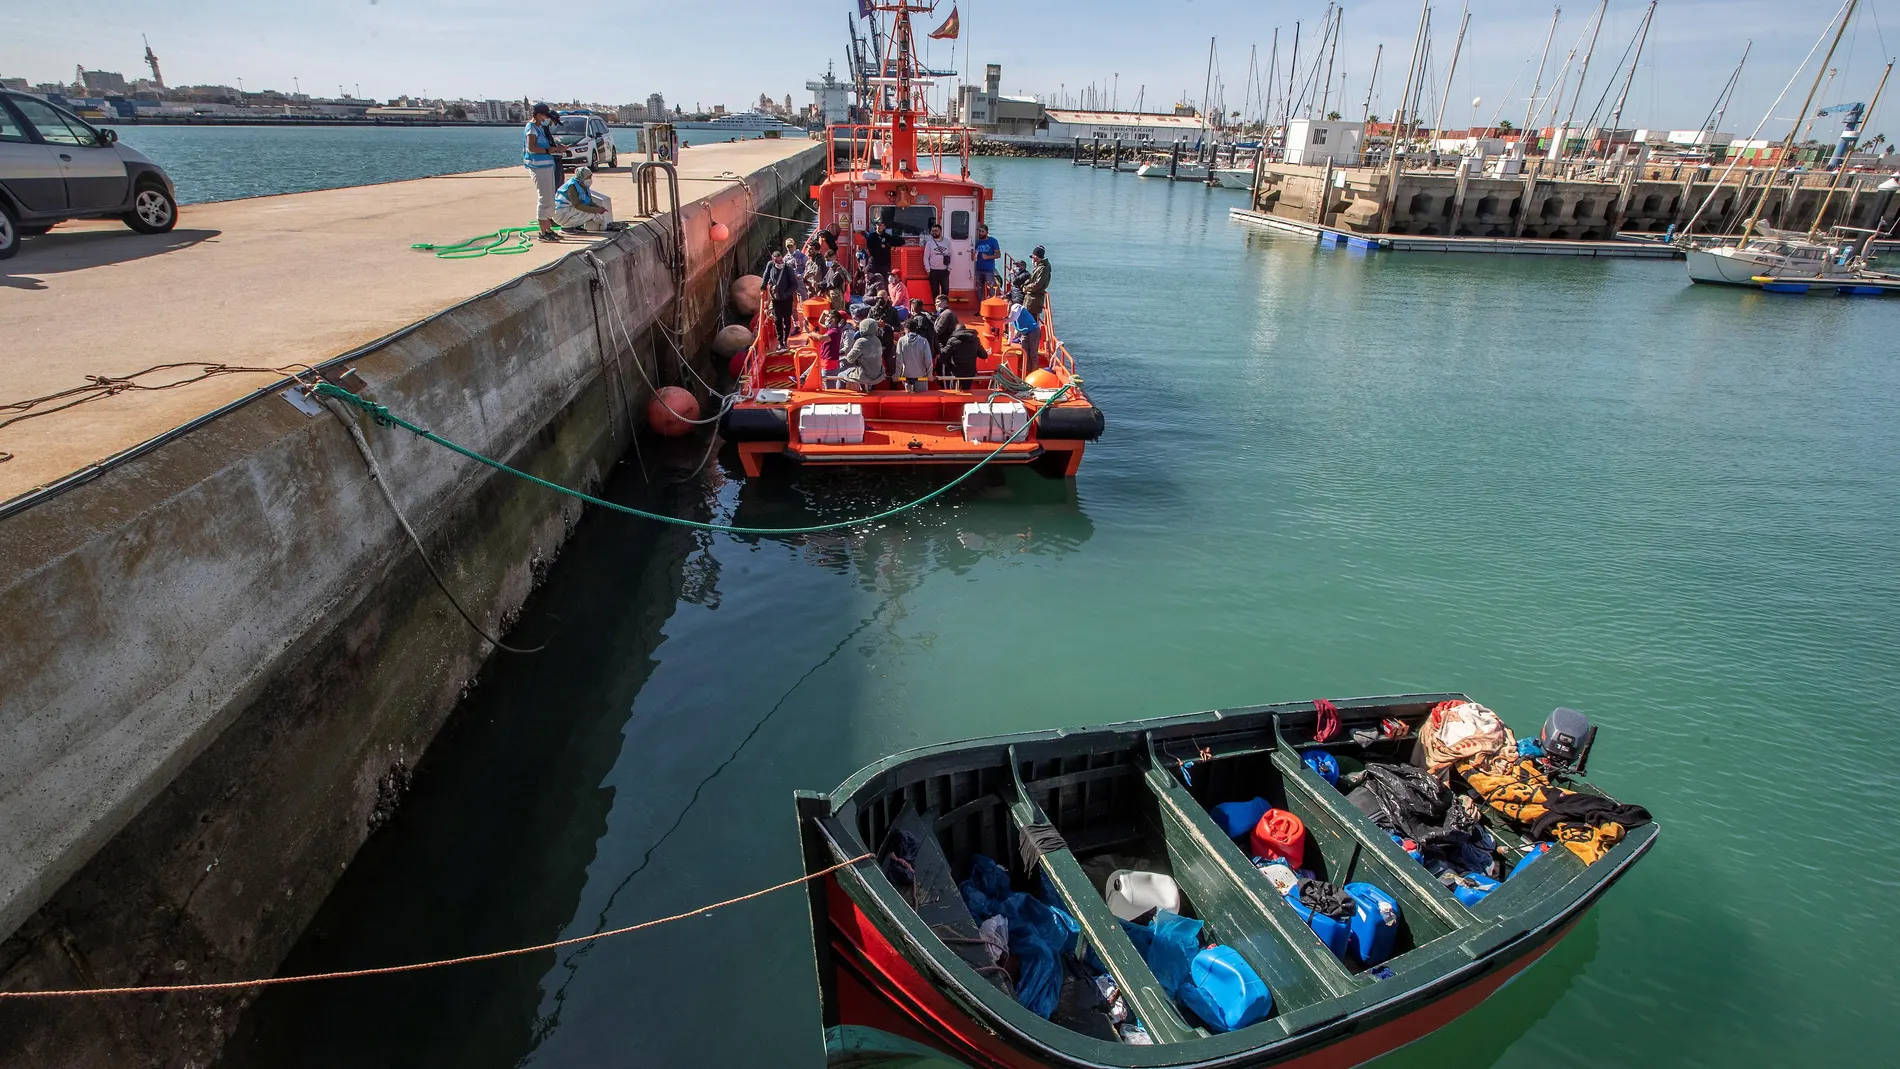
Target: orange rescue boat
{"points": [[1022, 408]]}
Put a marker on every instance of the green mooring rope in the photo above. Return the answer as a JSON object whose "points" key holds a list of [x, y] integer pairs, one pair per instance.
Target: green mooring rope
{"points": [[507, 241], [386, 418]]}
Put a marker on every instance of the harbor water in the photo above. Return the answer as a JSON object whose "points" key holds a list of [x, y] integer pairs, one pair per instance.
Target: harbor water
{"points": [[1541, 481], [226, 162]]}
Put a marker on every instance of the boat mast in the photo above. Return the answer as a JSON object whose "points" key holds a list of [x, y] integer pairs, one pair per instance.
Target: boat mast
{"points": [[1735, 158], [1842, 169], [1326, 94], [1207, 88], [1727, 94], [1392, 164], [1642, 36], [1583, 75], [1292, 72], [1365, 113], [1787, 146], [1438, 120], [1537, 86]]}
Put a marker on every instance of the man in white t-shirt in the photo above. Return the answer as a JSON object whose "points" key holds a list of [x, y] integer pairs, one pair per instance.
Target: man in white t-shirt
{"points": [[937, 262]]}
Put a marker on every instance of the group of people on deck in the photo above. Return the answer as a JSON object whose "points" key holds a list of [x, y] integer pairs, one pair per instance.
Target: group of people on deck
{"points": [[875, 331]]}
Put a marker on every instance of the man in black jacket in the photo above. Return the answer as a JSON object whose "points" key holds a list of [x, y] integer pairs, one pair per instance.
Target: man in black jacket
{"points": [[877, 246], [957, 363], [781, 285]]}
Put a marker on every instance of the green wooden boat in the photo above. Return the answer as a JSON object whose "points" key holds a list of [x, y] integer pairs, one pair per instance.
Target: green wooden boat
{"points": [[904, 978]]}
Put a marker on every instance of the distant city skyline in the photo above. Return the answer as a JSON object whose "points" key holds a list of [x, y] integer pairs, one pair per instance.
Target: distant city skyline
{"points": [[1154, 52]]}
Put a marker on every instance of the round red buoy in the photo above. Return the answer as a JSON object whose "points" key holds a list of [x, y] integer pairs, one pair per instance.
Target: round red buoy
{"points": [[721, 231], [1043, 379], [669, 412], [748, 294]]}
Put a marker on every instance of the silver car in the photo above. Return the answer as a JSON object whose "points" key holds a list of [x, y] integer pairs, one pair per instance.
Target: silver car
{"points": [[55, 166]]}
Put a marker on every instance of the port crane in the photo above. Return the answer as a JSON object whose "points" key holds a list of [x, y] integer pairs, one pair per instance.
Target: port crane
{"points": [[1850, 131]]}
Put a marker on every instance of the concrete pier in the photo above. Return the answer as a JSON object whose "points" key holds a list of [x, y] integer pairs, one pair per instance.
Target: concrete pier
{"points": [[1517, 212], [222, 656]]}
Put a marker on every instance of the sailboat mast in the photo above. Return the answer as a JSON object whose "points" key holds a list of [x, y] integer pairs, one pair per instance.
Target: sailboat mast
{"points": [[1865, 118], [1642, 36], [1583, 75], [1787, 146], [1365, 113], [1438, 121], [1728, 91], [1537, 86], [1292, 72], [1326, 92], [1392, 164]]}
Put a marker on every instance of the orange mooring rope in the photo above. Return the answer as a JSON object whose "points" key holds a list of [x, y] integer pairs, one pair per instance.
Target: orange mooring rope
{"points": [[417, 966]]}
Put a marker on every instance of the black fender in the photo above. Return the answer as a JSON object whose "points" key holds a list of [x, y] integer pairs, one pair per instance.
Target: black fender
{"points": [[1064, 422], [756, 425]]}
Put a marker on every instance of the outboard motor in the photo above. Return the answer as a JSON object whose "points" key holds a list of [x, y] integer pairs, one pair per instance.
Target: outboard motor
{"points": [[1567, 738]]}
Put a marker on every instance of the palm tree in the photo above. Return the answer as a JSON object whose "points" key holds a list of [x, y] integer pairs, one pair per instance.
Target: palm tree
{"points": [[1504, 126]]}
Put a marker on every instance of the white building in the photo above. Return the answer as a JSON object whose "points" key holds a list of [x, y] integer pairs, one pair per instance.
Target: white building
{"points": [[1700, 138], [1316, 141], [1131, 127]]}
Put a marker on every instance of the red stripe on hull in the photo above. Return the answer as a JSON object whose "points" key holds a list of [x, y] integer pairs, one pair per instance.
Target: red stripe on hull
{"points": [[876, 987]]}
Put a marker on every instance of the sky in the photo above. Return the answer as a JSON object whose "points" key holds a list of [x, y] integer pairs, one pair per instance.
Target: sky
{"points": [[1155, 51]]}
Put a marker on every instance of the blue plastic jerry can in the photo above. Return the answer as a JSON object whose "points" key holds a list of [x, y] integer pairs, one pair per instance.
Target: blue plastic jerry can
{"points": [[1536, 852], [1238, 818], [1332, 931], [1375, 922], [1472, 887], [1325, 764]]}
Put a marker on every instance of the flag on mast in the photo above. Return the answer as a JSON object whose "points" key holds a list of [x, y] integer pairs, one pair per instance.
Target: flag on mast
{"points": [[950, 28]]}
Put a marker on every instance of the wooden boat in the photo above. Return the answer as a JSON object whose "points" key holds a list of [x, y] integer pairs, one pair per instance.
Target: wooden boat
{"points": [[901, 971], [913, 176]]}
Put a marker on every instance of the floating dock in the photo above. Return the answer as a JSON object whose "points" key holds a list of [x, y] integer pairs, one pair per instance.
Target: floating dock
{"points": [[223, 654], [1626, 248]]}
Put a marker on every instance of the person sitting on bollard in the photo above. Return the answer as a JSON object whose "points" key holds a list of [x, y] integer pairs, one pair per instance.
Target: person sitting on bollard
{"points": [[830, 337], [578, 207]]}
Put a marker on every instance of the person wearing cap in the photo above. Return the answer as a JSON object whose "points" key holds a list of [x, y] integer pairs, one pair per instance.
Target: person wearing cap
{"points": [[539, 160], [1026, 330], [578, 207], [1037, 288]]}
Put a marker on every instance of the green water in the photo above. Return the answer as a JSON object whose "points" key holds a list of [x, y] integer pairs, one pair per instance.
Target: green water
{"points": [[1539, 481]]}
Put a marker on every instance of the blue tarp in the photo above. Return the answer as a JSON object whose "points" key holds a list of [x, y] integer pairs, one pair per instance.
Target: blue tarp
{"points": [[1039, 933]]}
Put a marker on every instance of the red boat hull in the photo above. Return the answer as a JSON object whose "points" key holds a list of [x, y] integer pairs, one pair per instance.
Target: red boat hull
{"points": [[874, 986]]}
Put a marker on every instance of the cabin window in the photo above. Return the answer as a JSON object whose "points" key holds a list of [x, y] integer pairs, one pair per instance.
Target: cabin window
{"points": [[1319, 135], [914, 221], [959, 226]]}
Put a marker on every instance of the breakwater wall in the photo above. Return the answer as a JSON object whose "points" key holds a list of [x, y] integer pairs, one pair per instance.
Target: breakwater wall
{"points": [[1638, 200], [222, 657]]}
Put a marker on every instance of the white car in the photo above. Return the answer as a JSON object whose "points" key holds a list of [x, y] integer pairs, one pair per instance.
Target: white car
{"points": [[55, 166], [582, 138]]}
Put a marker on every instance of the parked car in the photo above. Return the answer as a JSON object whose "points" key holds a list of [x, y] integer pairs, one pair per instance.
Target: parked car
{"points": [[583, 138], [55, 166]]}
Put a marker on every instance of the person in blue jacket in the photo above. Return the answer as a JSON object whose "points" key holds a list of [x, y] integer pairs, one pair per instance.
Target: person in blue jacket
{"points": [[538, 158], [578, 207]]}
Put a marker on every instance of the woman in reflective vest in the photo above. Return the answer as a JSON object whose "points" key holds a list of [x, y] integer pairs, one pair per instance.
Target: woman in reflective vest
{"points": [[539, 160]]}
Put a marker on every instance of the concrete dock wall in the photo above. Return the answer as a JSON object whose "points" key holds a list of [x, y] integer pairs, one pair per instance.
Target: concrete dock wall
{"points": [[1644, 201], [222, 657]]}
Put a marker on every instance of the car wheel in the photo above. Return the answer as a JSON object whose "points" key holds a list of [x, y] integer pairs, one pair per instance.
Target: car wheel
{"points": [[153, 210], [614, 160], [9, 233]]}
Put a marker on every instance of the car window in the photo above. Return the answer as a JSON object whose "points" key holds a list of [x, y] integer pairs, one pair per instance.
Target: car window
{"points": [[53, 126], [10, 128], [597, 128]]}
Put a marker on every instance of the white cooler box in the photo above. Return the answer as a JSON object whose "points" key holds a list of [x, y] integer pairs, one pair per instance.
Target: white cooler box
{"points": [[993, 421], [831, 424]]}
